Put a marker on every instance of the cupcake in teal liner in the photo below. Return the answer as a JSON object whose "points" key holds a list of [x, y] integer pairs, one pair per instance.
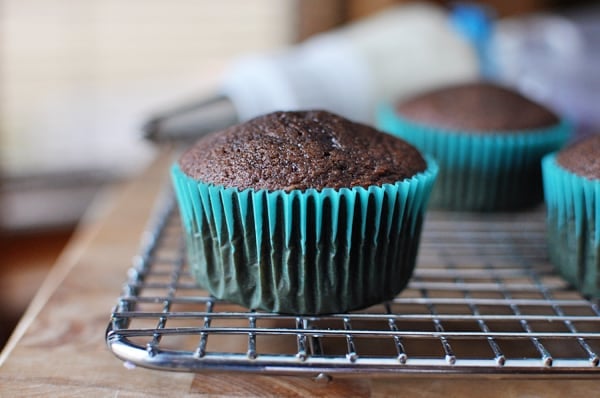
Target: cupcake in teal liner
{"points": [[488, 141], [302, 212], [572, 194]]}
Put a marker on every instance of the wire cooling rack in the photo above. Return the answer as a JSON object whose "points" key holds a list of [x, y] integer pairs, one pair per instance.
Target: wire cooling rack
{"points": [[483, 300]]}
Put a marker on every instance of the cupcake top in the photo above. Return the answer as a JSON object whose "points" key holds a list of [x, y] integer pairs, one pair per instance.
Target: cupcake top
{"points": [[300, 150], [582, 158], [477, 107]]}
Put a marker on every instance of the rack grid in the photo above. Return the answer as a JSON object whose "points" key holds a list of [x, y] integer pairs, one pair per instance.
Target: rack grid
{"points": [[484, 299]]}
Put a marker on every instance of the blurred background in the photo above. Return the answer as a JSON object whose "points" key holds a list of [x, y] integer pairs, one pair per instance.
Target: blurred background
{"points": [[80, 79]]}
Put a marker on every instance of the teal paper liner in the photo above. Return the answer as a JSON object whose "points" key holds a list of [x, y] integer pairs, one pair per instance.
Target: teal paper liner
{"points": [[573, 221], [488, 171], [303, 252]]}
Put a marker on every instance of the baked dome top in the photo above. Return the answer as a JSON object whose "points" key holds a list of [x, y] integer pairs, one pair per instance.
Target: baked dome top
{"points": [[476, 107], [582, 158], [300, 150]]}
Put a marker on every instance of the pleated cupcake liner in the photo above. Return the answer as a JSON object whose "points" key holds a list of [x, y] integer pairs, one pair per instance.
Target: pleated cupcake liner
{"points": [[303, 252], [481, 171], [573, 224]]}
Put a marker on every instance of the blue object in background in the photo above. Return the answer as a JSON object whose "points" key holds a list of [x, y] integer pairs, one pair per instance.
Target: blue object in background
{"points": [[476, 23]]}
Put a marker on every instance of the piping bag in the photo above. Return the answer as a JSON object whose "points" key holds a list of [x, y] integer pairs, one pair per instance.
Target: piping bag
{"points": [[390, 55]]}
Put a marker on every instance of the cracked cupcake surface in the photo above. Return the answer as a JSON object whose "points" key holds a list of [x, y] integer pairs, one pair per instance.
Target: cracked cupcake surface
{"points": [[301, 150], [302, 212]]}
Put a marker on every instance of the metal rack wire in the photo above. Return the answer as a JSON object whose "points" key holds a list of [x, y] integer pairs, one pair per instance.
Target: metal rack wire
{"points": [[484, 300]]}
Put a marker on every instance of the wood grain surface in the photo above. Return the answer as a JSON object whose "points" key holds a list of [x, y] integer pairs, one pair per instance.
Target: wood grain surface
{"points": [[58, 349]]}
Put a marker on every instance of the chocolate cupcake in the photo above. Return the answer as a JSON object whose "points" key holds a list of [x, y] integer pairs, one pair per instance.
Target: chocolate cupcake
{"points": [[487, 139], [302, 212], [572, 193]]}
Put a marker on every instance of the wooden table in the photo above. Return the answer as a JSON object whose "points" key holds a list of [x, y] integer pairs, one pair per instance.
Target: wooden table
{"points": [[58, 348]]}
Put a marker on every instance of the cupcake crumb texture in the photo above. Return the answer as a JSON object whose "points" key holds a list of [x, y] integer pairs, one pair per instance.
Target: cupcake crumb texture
{"points": [[301, 150]]}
